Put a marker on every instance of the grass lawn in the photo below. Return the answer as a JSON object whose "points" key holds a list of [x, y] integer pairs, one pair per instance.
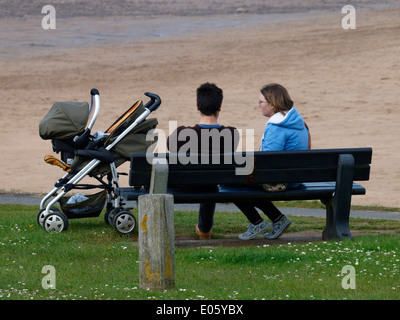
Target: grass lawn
{"points": [[93, 262]]}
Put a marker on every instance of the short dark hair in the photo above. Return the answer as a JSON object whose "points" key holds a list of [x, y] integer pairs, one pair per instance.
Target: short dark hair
{"points": [[209, 98]]}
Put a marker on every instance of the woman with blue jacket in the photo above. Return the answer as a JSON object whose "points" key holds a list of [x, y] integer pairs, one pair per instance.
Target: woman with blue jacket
{"points": [[285, 130]]}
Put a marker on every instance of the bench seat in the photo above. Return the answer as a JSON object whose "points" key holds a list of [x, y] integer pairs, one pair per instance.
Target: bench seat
{"points": [[306, 191]]}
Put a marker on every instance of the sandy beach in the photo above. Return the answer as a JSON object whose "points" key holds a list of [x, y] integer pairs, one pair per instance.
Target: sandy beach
{"points": [[345, 83]]}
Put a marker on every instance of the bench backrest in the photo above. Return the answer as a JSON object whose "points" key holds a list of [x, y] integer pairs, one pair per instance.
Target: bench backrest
{"points": [[252, 167]]}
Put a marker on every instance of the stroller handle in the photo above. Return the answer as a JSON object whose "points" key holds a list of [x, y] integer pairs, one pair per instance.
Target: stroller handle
{"points": [[154, 103], [94, 107]]}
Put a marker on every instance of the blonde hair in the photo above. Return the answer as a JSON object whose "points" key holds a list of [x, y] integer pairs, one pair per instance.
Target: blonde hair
{"points": [[278, 97]]}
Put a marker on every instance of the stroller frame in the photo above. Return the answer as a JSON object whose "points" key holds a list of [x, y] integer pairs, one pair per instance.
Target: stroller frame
{"points": [[52, 219]]}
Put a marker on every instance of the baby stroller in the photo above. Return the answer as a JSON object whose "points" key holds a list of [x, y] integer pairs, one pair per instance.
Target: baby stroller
{"points": [[96, 156]]}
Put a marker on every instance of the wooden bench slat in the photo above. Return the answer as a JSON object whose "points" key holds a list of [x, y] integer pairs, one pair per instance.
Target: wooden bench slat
{"points": [[269, 167], [266, 159], [206, 176]]}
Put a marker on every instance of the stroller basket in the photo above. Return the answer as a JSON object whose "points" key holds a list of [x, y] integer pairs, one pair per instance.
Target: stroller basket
{"points": [[91, 207]]}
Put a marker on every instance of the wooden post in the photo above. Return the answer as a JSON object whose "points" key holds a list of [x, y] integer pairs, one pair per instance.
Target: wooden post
{"points": [[156, 233], [159, 176]]}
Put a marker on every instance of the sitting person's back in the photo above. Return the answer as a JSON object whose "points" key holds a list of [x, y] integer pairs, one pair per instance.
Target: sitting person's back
{"points": [[206, 137], [203, 138]]}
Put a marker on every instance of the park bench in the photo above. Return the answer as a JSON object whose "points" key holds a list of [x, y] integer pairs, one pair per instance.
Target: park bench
{"points": [[327, 175]]}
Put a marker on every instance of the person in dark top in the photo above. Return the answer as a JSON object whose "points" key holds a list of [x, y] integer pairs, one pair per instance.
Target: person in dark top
{"points": [[206, 137]]}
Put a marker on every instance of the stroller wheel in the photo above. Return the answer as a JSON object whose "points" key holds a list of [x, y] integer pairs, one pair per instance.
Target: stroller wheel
{"points": [[124, 222], [55, 222], [109, 216], [41, 216]]}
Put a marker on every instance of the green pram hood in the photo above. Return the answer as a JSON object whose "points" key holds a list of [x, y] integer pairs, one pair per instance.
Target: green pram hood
{"points": [[64, 120]]}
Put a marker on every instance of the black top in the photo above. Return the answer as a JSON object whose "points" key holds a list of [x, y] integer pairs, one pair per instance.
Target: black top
{"points": [[203, 139]]}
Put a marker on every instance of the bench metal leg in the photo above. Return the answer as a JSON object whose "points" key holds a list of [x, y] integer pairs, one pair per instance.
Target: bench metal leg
{"points": [[338, 207], [337, 222]]}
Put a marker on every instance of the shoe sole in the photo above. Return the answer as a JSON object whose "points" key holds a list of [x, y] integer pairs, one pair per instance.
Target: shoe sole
{"points": [[280, 233]]}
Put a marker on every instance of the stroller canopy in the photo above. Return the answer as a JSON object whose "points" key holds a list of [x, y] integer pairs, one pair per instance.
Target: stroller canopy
{"points": [[135, 141], [64, 120]]}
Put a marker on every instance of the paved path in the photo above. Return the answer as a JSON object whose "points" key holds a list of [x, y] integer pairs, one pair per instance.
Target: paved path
{"points": [[30, 199]]}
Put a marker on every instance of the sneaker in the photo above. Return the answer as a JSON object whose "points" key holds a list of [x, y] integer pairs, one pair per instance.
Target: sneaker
{"points": [[278, 228], [253, 230]]}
